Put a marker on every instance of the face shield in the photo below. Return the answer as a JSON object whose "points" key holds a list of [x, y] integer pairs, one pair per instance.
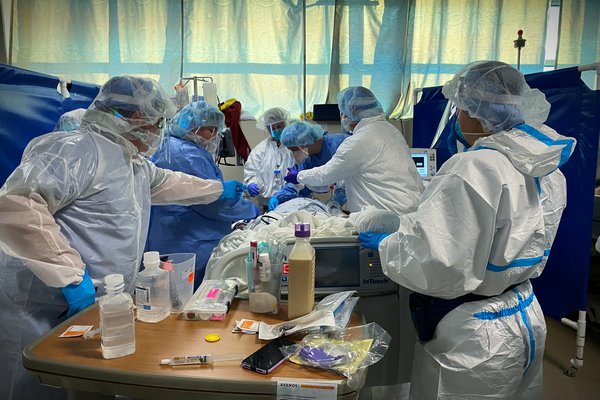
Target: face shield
{"points": [[346, 124], [300, 154], [146, 136], [276, 129], [131, 108], [206, 137]]}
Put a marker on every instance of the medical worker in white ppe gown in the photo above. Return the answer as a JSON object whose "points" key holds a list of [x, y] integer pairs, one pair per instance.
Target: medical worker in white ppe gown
{"points": [[374, 162], [76, 209], [484, 227], [269, 160]]}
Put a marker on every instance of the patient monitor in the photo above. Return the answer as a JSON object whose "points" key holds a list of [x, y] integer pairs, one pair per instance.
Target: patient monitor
{"points": [[425, 161]]}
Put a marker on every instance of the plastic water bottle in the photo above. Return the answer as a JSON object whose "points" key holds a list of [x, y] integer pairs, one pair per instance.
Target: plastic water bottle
{"points": [[117, 323], [278, 177], [152, 290]]}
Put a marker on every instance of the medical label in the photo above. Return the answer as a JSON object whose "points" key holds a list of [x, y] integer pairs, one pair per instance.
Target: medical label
{"points": [[142, 297], [306, 390], [76, 330]]}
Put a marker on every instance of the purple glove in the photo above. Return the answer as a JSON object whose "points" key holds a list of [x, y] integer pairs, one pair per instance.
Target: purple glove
{"points": [[292, 176], [253, 189]]}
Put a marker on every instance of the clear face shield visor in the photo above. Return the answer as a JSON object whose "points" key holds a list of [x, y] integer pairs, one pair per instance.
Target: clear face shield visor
{"points": [[146, 137]]}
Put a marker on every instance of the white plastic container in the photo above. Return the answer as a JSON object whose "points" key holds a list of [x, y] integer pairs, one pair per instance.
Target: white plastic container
{"points": [[301, 275], [152, 288], [117, 322]]}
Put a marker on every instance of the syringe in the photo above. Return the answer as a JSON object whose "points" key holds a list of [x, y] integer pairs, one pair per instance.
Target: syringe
{"points": [[202, 359]]}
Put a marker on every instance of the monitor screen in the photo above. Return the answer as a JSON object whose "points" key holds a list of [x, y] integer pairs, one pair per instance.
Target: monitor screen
{"points": [[337, 266], [420, 160]]}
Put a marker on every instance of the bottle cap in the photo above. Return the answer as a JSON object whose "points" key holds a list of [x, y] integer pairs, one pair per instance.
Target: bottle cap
{"points": [[165, 361], [302, 229], [212, 337], [113, 279], [151, 259], [263, 257]]}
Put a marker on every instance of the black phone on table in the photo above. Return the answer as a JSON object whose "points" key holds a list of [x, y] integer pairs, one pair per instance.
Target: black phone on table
{"points": [[268, 357]]}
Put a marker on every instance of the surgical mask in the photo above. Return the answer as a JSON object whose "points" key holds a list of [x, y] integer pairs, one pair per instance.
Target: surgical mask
{"points": [[276, 134], [346, 124], [459, 135], [300, 155]]}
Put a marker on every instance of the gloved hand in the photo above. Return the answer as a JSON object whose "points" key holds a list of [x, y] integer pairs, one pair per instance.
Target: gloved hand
{"points": [[292, 176], [371, 240], [273, 203], [253, 189], [79, 296], [232, 190], [339, 196]]}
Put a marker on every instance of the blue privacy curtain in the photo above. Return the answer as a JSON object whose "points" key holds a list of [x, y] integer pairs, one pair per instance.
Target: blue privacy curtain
{"points": [[30, 107]]}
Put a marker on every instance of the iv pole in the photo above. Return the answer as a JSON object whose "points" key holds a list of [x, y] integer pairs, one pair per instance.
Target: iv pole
{"points": [[184, 81], [519, 43]]}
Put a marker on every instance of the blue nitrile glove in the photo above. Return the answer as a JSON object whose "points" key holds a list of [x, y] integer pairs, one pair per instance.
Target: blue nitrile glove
{"points": [[253, 189], [292, 176], [273, 203], [79, 296], [371, 240], [232, 190], [339, 196]]}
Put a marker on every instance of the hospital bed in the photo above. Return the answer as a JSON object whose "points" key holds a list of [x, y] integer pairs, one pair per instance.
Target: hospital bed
{"points": [[342, 265]]}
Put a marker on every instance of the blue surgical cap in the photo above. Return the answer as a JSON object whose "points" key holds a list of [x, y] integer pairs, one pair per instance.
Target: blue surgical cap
{"points": [[358, 102], [497, 95], [301, 133], [128, 94], [195, 115]]}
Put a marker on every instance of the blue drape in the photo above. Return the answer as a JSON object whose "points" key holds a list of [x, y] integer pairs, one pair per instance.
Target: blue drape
{"points": [[30, 106]]}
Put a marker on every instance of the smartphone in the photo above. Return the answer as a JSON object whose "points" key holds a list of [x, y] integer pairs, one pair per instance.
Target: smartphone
{"points": [[267, 358]]}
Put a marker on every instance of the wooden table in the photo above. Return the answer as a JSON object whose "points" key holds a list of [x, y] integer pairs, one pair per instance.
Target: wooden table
{"points": [[77, 364]]}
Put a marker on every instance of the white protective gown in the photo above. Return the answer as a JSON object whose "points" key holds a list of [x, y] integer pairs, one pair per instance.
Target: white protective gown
{"points": [[260, 168], [485, 222], [376, 167], [77, 199]]}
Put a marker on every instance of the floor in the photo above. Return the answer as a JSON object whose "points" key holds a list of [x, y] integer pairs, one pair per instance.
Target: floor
{"points": [[560, 348]]}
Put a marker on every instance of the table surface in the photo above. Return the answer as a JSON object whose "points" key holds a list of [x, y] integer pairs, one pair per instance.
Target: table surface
{"points": [[82, 358]]}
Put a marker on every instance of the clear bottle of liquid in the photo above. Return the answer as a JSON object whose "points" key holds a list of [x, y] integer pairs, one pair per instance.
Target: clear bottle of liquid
{"points": [[117, 322], [152, 290], [301, 275], [278, 177]]}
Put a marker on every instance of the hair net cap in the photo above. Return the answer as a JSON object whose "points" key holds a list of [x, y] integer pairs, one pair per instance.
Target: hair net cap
{"points": [[272, 116], [301, 133], [195, 115], [497, 95], [129, 94], [358, 102], [70, 120]]}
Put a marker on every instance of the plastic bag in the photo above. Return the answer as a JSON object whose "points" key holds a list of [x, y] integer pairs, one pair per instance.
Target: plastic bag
{"points": [[211, 301], [347, 353]]}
